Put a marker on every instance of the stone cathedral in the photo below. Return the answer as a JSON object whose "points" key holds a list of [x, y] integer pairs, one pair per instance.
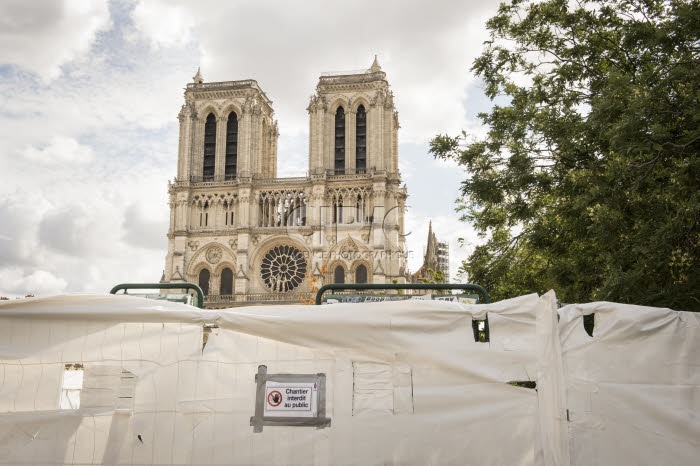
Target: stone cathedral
{"points": [[245, 235]]}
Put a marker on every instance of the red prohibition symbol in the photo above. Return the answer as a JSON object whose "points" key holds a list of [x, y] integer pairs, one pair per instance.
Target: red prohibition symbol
{"points": [[274, 398]]}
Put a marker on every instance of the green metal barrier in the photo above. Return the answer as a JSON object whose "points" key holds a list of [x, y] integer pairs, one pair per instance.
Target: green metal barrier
{"points": [[162, 286], [402, 286]]}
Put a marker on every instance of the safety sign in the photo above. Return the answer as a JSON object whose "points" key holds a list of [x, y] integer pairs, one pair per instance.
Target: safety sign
{"points": [[292, 399], [295, 400]]}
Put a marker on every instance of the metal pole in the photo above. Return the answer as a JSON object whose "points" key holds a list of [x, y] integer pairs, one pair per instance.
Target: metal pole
{"points": [[155, 286], [402, 286]]}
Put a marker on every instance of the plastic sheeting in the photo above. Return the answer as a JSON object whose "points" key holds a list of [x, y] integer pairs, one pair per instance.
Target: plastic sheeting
{"points": [[405, 383]]}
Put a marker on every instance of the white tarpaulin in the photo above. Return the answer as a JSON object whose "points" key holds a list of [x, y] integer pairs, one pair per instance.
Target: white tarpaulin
{"points": [[125, 380]]}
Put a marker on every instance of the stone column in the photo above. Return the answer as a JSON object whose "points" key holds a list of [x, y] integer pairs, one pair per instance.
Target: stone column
{"points": [[198, 148], [245, 206], [244, 142], [317, 123], [395, 143], [184, 142], [350, 143], [379, 211], [273, 149], [376, 135], [387, 137], [220, 160], [181, 212]]}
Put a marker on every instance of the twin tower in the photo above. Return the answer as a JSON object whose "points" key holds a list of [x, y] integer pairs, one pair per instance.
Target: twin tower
{"points": [[245, 235]]}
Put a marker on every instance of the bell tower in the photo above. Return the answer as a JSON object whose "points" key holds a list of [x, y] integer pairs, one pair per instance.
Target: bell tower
{"points": [[353, 124], [227, 131]]}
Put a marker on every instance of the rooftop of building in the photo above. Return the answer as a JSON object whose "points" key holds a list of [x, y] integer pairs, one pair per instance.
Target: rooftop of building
{"points": [[198, 85]]}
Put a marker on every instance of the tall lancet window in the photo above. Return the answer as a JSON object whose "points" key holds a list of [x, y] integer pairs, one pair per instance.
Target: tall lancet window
{"points": [[204, 277], [360, 274], [209, 148], [340, 141], [339, 275], [226, 287], [361, 140], [231, 146]]}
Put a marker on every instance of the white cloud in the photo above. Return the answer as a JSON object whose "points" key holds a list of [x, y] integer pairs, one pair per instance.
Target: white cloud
{"points": [[426, 49], [143, 230], [13, 283], [164, 23], [42, 35], [60, 150]]}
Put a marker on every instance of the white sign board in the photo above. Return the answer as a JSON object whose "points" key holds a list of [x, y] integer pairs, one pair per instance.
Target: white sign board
{"points": [[291, 399]]}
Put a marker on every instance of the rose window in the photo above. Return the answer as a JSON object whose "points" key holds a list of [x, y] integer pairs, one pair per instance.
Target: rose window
{"points": [[283, 268]]}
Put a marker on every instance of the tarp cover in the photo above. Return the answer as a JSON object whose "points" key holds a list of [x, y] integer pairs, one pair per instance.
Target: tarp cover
{"points": [[125, 380]]}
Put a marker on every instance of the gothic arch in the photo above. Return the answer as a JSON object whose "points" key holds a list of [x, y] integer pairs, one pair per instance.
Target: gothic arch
{"points": [[214, 261], [339, 101], [273, 241], [208, 108], [204, 280], [340, 121], [368, 270], [334, 271], [204, 201], [231, 144], [361, 138], [230, 264], [360, 100], [231, 106], [226, 281], [199, 200], [349, 250]]}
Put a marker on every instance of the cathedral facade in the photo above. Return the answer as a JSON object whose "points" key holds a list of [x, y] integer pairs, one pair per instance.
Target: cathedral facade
{"points": [[245, 235]]}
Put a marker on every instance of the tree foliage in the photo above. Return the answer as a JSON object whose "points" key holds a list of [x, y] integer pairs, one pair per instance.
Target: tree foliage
{"points": [[587, 179], [435, 276]]}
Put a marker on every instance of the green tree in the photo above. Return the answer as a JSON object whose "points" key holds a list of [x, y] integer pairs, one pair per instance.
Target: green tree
{"points": [[587, 181], [435, 276]]}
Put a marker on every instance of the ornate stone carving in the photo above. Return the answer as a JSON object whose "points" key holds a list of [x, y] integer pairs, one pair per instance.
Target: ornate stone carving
{"points": [[233, 243], [214, 254], [378, 268], [317, 103], [176, 275], [349, 247], [283, 268], [378, 98], [241, 273], [193, 245], [389, 100]]}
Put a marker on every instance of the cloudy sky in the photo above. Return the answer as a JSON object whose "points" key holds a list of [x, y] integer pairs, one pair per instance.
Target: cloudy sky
{"points": [[90, 91]]}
